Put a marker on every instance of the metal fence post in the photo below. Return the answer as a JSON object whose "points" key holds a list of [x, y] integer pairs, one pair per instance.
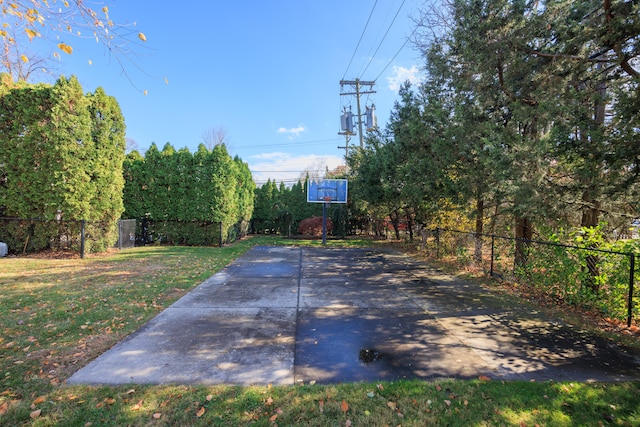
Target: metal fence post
{"points": [[221, 241], [82, 223], [632, 268], [120, 234]]}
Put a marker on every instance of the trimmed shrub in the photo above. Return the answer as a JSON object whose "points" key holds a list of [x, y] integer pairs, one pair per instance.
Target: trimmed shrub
{"points": [[312, 227]]}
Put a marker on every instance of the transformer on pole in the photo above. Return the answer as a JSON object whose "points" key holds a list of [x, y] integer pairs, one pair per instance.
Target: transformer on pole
{"points": [[371, 121], [356, 86]]}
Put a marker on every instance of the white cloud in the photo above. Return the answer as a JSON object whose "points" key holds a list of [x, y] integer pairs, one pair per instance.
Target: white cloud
{"points": [[288, 168], [265, 157], [292, 131], [401, 75]]}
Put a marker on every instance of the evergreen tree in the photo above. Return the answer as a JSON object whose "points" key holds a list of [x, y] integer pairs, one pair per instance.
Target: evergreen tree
{"points": [[61, 152], [205, 186]]}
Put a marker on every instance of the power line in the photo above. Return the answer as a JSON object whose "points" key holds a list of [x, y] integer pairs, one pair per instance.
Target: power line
{"points": [[383, 37], [276, 181], [278, 171], [396, 54], [361, 36], [319, 141]]}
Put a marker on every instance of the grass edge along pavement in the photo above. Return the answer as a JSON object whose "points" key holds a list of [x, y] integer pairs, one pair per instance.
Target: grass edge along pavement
{"points": [[58, 314]]}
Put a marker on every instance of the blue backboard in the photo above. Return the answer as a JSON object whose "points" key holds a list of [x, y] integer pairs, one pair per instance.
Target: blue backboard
{"points": [[327, 190]]}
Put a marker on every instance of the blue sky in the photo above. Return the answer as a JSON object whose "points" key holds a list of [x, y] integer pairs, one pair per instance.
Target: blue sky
{"points": [[267, 72]]}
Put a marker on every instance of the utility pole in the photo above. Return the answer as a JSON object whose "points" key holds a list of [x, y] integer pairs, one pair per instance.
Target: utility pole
{"points": [[347, 138], [356, 85]]}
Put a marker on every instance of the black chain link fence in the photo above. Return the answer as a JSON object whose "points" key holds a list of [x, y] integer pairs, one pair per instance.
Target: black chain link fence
{"points": [[30, 235], [588, 277], [174, 232]]}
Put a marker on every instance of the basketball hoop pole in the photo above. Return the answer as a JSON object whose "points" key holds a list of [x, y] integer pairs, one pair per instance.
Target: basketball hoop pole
{"points": [[327, 200]]}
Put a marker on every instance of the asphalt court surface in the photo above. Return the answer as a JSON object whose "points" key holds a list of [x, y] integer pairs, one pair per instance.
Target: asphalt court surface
{"points": [[288, 315]]}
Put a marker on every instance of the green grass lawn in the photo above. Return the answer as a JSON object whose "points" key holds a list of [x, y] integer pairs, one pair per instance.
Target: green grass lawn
{"points": [[59, 314]]}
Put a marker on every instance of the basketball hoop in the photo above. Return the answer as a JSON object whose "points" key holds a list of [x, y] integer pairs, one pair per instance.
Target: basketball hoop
{"points": [[327, 199]]}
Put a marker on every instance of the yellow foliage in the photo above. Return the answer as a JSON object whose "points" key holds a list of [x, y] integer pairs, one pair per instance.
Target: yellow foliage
{"points": [[65, 48], [31, 33]]}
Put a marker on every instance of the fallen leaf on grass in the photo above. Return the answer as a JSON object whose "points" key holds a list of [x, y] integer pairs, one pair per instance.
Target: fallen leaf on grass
{"points": [[347, 423], [321, 406], [4, 407], [269, 401], [392, 405], [109, 401], [137, 406], [35, 414], [209, 397], [273, 418], [344, 406], [484, 378], [40, 400], [200, 412], [157, 415], [447, 402]]}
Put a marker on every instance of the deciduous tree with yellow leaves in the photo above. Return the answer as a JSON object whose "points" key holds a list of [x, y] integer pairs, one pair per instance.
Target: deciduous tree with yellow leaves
{"points": [[57, 23]]}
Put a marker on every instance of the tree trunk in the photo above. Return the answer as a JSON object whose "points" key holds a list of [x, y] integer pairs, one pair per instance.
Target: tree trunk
{"points": [[410, 225], [395, 222], [590, 218], [591, 209], [479, 230], [524, 232]]}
